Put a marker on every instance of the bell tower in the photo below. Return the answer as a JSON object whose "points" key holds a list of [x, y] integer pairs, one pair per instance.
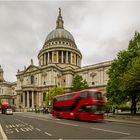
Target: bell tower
{"points": [[1, 74]]}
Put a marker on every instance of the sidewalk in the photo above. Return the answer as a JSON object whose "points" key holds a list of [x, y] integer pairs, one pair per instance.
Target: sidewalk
{"points": [[129, 119]]}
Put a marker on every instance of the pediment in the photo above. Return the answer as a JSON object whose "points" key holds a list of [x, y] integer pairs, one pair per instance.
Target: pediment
{"points": [[31, 68]]}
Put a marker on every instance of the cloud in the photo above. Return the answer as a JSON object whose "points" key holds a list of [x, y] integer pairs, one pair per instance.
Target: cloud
{"points": [[101, 29]]}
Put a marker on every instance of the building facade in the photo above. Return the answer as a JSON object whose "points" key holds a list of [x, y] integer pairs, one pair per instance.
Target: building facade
{"points": [[59, 61], [7, 90]]}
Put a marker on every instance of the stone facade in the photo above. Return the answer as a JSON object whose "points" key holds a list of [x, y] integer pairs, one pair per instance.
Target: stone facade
{"points": [[59, 61], [7, 90]]}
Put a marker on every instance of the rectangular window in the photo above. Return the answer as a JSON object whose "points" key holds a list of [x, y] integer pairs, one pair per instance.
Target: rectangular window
{"points": [[95, 94], [50, 55], [44, 96], [69, 57], [32, 79], [83, 94], [59, 56], [64, 56]]}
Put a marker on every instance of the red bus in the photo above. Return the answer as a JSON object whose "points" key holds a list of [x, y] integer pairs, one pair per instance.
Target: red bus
{"points": [[4, 107], [81, 105]]}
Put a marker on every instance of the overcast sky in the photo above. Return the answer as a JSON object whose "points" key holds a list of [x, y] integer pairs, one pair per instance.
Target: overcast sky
{"points": [[100, 28]]}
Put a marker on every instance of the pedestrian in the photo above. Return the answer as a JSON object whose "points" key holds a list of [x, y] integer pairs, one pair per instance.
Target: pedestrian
{"points": [[113, 109]]}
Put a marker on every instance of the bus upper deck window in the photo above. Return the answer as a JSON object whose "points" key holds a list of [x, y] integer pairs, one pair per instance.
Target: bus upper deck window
{"points": [[83, 94]]}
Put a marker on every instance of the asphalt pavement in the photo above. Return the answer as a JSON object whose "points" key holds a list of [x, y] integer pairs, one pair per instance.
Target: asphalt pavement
{"points": [[45, 126]]}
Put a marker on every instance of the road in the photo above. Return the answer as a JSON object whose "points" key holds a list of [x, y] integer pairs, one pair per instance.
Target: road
{"points": [[44, 126]]}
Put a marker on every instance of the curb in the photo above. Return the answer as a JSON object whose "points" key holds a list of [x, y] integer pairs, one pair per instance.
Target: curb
{"points": [[123, 121]]}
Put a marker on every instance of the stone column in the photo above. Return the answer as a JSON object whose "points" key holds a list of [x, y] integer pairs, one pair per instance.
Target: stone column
{"points": [[48, 57], [32, 99], [52, 57], [27, 99], [39, 99], [41, 60], [71, 57], [78, 61], [24, 99], [62, 57], [44, 59], [57, 56], [66, 56]]}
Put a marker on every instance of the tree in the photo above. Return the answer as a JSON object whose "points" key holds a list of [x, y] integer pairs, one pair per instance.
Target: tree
{"points": [[79, 84], [131, 83], [54, 91], [117, 91]]}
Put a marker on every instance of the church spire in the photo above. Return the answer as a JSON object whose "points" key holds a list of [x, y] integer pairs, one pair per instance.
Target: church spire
{"points": [[59, 22]]}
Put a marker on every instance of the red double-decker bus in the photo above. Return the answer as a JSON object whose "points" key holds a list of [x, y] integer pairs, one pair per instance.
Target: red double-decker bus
{"points": [[80, 105]]}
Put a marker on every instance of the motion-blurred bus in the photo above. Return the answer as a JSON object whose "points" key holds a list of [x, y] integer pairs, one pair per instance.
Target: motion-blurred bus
{"points": [[80, 105]]}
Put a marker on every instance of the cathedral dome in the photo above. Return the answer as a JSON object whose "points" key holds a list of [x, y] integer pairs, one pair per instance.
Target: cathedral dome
{"points": [[59, 33], [60, 48]]}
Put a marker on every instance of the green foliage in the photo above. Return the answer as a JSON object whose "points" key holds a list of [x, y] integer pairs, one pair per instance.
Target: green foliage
{"points": [[124, 74], [131, 79], [54, 91], [124, 107], [108, 108], [79, 84]]}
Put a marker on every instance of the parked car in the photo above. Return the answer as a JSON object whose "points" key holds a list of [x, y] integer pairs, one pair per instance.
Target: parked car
{"points": [[9, 111]]}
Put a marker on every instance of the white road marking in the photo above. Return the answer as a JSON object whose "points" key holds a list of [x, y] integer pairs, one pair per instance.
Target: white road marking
{"points": [[37, 129], [16, 130], [7, 126], [67, 123], [4, 137], [60, 139], [28, 129], [31, 126], [111, 131], [48, 134], [10, 126], [23, 130], [9, 131], [13, 125]]}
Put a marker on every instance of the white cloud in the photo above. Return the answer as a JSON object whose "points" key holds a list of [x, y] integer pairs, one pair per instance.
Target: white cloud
{"points": [[100, 29]]}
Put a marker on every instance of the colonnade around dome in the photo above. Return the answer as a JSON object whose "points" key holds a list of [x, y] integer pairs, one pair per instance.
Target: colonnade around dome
{"points": [[60, 56]]}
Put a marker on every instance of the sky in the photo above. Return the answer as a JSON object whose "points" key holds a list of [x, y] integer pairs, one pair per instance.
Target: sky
{"points": [[100, 28]]}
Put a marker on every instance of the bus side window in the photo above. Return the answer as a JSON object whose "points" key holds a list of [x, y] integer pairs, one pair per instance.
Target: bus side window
{"points": [[69, 97], [83, 94]]}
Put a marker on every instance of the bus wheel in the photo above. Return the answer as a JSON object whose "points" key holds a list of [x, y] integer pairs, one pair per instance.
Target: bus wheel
{"points": [[77, 118]]}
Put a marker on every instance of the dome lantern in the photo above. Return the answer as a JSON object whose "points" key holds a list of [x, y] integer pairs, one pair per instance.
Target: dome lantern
{"points": [[59, 22], [59, 32]]}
